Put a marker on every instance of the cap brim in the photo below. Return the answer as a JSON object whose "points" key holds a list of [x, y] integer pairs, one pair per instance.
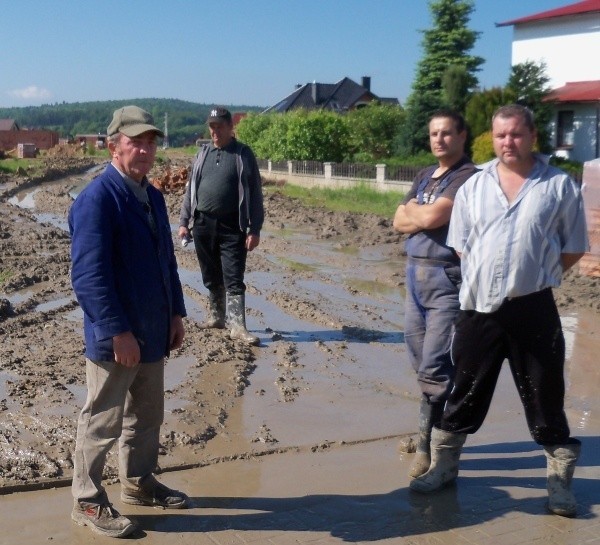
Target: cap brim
{"points": [[135, 130]]}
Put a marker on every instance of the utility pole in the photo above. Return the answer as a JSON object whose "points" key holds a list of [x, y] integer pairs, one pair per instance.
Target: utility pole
{"points": [[166, 131]]}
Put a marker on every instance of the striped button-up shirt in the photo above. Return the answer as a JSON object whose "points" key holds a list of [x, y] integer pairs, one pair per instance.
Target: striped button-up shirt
{"points": [[510, 250]]}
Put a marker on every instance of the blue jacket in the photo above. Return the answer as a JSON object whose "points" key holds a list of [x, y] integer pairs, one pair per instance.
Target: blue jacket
{"points": [[125, 277]]}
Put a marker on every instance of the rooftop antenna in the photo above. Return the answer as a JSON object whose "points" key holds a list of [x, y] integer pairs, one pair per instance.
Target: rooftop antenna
{"points": [[166, 131]]}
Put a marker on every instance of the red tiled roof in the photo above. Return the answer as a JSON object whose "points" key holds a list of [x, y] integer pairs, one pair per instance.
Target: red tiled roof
{"points": [[576, 91], [578, 8]]}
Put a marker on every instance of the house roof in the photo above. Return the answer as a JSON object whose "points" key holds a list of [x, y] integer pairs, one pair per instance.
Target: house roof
{"points": [[339, 96], [578, 8], [8, 125], [576, 91]]}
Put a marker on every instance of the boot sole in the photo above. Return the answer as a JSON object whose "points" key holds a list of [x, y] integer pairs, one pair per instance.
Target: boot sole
{"points": [[82, 520], [131, 500]]}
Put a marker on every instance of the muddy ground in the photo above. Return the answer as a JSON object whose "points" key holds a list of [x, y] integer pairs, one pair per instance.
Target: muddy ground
{"points": [[42, 381]]}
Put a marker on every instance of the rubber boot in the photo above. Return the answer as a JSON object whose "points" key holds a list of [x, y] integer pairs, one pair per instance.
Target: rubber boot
{"points": [[430, 415], [561, 460], [445, 453], [216, 310], [236, 314]]}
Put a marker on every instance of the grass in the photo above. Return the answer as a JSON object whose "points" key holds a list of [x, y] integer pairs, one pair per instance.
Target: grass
{"points": [[360, 198], [11, 165], [5, 274]]}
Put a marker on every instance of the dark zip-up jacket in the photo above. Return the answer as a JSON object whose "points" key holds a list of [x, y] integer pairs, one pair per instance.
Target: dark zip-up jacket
{"points": [[250, 199]]}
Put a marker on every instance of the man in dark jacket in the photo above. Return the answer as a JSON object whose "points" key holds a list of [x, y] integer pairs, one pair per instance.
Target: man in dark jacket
{"points": [[125, 278], [224, 201], [433, 272]]}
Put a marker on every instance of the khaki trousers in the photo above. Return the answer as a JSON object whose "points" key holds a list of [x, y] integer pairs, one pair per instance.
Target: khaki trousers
{"points": [[124, 404]]}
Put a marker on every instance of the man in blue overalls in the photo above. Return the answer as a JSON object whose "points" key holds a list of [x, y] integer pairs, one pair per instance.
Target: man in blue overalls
{"points": [[433, 272]]}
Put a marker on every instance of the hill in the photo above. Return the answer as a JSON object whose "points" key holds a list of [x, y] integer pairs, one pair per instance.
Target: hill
{"points": [[185, 119]]}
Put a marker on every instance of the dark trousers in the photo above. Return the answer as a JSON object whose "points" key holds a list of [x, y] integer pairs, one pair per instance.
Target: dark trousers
{"points": [[527, 331], [221, 250]]}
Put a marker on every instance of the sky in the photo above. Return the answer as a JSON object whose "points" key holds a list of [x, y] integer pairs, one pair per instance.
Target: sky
{"points": [[236, 52]]}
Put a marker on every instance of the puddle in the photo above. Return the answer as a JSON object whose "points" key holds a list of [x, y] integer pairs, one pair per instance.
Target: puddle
{"points": [[54, 304], [24, 200], [51, 219]]}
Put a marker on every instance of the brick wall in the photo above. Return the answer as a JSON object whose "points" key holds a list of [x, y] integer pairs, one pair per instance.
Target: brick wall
{"points": [[41, 138]]}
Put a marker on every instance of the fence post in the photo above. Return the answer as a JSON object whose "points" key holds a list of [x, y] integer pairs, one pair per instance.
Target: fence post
{"points": [[290, 167], [269, 166], [380, 174], [328, 170]]}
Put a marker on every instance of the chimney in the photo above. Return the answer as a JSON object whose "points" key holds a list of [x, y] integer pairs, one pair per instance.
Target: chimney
{"points": [[366, 82], [314, 92]]}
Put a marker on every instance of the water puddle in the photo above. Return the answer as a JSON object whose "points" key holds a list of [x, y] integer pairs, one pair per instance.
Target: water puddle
{"points": [[54, 304]]}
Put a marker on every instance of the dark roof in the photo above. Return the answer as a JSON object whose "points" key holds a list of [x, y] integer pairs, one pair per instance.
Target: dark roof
{"points": [[340, 96], [578, 8], [576, 91], [8, 125]]}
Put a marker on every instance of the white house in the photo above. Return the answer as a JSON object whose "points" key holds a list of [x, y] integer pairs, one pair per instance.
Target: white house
{"points": [[567, 39]]}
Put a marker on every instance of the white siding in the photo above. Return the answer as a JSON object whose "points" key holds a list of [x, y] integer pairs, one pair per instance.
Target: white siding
{"points": [[570, 46]]}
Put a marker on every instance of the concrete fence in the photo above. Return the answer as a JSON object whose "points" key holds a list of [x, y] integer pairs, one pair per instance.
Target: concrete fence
{"points": [[338, 175]]}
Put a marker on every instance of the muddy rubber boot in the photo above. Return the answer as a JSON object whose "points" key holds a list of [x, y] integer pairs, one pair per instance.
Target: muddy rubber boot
{"points": [[561, 460], [236, 315], [445, 453], [216, 310], [430, 415]]}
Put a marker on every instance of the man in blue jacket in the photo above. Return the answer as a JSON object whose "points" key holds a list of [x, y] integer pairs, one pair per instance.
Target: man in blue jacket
{"points": [[125, 278]]}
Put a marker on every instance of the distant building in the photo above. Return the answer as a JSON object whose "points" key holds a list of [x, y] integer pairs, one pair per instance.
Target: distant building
{"points": [[567, 39], [11, 137], [339, 97], [97, 141], [8, 125]]}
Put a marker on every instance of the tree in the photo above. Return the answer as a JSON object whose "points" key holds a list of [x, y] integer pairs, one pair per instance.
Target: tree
{"points": [[450, 40], [528, 85], [481, 107], [372, 130], [455, 86]]}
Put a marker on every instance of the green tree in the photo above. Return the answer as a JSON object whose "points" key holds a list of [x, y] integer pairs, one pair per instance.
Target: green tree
{"points": [[372, 131], [481, 107], [449, 40], [253, 129], [316, 136], [456, 83], [528, 85]]}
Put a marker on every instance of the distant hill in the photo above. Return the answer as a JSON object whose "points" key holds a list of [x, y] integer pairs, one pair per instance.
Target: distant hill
{"points": [[186, 120]]}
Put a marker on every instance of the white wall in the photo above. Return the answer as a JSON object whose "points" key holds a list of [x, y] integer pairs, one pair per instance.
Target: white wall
{"points": [[570, 47], [586, 120]]}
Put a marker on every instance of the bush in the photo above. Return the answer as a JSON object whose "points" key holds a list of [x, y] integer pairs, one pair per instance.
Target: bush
{"points": [[483, 149]]}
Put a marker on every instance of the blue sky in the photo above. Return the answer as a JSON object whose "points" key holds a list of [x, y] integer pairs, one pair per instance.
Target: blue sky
{"points": [[248, 52]]}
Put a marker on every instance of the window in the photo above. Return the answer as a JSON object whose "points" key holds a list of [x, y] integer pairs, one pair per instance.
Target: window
{"points": [[565, 134]]}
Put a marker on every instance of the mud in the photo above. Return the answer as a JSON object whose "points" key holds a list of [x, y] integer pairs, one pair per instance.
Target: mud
{"points": [[324, 295]]}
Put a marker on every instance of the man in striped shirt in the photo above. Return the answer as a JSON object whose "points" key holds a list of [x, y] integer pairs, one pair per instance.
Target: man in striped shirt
{"points": [[518, 225]]}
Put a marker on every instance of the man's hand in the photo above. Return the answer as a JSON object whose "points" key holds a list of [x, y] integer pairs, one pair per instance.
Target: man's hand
{"points": [[177, 332], [183, 232], [252, 241], [126, 349]]}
